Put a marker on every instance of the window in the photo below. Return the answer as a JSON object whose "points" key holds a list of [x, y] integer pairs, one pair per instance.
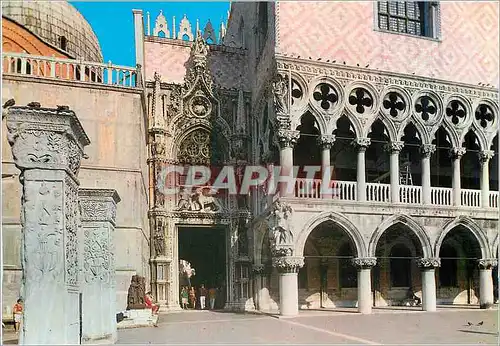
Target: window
{"points": [[419, 18], [63, 43]]}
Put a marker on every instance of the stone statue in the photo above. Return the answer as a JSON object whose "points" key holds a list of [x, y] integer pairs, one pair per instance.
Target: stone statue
{"points": [[184, 200], [136, 293], [280, 90], [159, 238]]}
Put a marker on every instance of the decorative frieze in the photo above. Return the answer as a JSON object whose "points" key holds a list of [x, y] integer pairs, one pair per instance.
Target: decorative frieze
{"points": [[364, 262], [487, 263], [288, 264], [429, 263]]}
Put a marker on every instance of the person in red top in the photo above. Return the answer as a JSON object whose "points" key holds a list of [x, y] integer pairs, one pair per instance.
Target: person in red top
{"points": [[148, 299], [17, 310]]}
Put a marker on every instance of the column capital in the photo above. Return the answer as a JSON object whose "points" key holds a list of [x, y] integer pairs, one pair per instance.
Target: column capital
{"points": [[427, 150], [487, 263], [361, 143], [46, 138], [287, 138], [429, 263], [485, 155], [98, 205], [364, 262], [288, 264], [394, 147], [326, 141], [457, 153]]}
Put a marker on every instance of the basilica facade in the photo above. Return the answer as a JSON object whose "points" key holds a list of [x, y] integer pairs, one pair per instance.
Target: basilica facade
{"points": [[396, 101]]}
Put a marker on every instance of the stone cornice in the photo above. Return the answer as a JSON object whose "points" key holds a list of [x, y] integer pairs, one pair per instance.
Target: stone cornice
{"points": [[384, 77], [96, 194]]}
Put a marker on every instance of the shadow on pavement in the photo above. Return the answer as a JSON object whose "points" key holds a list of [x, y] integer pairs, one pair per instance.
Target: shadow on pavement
{"points": [[477, 332]]}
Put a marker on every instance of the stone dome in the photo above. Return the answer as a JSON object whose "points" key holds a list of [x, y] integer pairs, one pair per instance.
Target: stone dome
{"points": [[57, 23]]}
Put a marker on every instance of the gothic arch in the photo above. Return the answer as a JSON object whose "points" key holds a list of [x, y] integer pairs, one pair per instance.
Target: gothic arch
{"points": [[389, 126], [425, 137], [468, 223], [452, 134], [356, 125], [339, 220], [407, 221], [483, 142]]}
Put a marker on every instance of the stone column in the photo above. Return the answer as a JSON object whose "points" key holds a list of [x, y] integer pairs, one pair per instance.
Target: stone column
{"points": [[98, 215], [456, 154], [426, 151], [361, 144], [326, 143], [364, 266], [394, 149], [287, 140], [288, 268], [486, 282], [427, 267], [484, 158], [47, 146], [258, 273]]}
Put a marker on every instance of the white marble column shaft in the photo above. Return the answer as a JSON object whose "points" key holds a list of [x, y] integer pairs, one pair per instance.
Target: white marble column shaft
{"points": [[365, 300], [361, 144], [456, 154], [486, 298], [426, 151], [427, 267], [484, 159]]}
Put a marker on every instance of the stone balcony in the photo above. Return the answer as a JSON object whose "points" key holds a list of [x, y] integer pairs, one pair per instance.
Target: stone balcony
{"points": [[381, 194]]}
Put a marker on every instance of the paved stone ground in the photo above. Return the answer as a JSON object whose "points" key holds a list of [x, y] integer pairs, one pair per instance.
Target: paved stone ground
{"points": [[384, 326]]}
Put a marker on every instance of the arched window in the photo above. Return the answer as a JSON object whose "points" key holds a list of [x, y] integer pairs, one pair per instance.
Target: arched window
{"points": [[400, 266], [448, 269]]}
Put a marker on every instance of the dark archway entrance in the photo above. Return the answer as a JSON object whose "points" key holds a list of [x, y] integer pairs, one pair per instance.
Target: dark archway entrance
{"points": [[205, 249], [458, 276]]}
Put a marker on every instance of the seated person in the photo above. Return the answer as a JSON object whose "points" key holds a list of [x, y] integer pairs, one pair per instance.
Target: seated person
{"points": [[148, 300], [412, 296]]}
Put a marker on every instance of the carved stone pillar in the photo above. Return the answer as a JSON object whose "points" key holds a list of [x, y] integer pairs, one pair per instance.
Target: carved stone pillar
{"points": [[159, 260], [426, 151], [98, 215], [484, 159], [288, 268], [287, 140], [326, 143], [394, 149], [456, 154], [486, 265], [427, 267], [258, 271], [364, 266], [47, 146], [361, 144]]}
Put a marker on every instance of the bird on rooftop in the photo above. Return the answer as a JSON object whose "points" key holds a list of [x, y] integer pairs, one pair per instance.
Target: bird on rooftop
{"points": [[480, 323], [367, 66]]}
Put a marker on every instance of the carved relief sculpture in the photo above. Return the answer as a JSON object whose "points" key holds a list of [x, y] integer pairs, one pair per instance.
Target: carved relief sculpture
{"points": [[280, 91]]}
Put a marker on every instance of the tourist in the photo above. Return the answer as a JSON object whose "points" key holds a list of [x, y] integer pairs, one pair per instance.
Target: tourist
{"points": [[203, 293], [17, 310], [148, 300], [192, 297], [212, 293], [184, 297]]}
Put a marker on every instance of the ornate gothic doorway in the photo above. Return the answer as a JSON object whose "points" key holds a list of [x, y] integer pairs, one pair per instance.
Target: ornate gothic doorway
{"points": [[205, 249]]}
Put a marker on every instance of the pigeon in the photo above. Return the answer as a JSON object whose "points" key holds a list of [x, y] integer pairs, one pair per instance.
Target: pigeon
{"points": [[34, 105], [344, 62], [367, 66], [480, 323], [9, 103], [334, 61], [469, 323], [319, 59], [62, 108]]}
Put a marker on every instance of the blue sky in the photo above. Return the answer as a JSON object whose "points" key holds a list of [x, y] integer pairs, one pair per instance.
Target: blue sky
{"points": [[113, 22]]}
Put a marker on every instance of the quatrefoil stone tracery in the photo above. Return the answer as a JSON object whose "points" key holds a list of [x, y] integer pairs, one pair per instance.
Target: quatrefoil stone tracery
{"points": [[426, 108], [394, 104], [456, 112], [484, 115], [361, 99], [297, 92], [326, 95]]}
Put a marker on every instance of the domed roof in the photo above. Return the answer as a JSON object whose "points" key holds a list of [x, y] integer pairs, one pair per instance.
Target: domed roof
{"points": [[58, 23]]}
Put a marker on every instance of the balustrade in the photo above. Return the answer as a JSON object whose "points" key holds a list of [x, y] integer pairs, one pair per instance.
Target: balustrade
{"points": [[70, 69], [381, 193], [470, 198], [441, 196]]}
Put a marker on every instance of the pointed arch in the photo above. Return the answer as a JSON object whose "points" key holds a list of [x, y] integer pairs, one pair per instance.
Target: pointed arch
{"points": [[421, 130], [320, 119], [452, 135], [410, 223], [481, 138], [389, 126], [473, 227], [338, 219]]}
